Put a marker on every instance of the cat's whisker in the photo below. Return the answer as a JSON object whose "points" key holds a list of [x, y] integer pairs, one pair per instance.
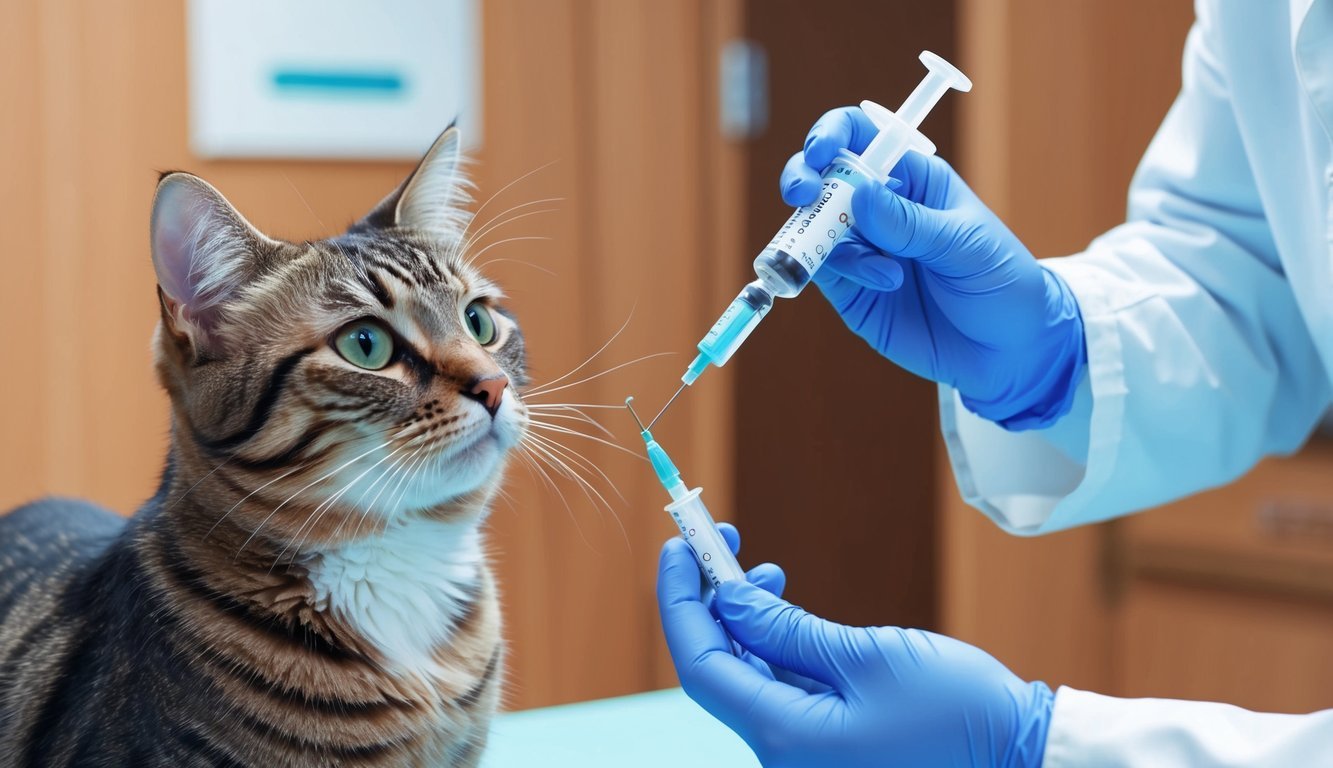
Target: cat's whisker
{"points": [[470, 260], [313, 518], [575, 433], [196, 485], [535, 461], [289, 472], [502, 260], [535, 406], [563, 467], [304, 201], [593, 356], [388, 477], [635, 361], [426, 471], [550, 451], [475, 233], [415, 475], [321, 479], [384, 473], [508, 500], [581, 462], [399, 473], [501, 190], [401, 487], [509, 240], [251, 493], [580, 459], [497, 221], [578, 416], [428, 474]]}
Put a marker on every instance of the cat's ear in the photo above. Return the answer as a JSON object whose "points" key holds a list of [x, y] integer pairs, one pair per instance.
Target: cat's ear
{"points": [[202, 251], [432, 197]]}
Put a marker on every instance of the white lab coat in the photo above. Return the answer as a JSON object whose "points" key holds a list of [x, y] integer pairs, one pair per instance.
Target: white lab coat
{"points": [[1209, 321]]}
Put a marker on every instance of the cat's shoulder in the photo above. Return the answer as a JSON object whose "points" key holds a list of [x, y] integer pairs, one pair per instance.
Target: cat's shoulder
{"points": [[57, 523], [45, 542], [40, 537]]}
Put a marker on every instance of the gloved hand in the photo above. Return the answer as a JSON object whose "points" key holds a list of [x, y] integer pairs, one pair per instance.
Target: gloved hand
{"points": [[811, 693], [936, 283]]}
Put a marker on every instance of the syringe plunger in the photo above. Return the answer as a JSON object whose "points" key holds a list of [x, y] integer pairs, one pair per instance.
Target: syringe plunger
{"points": [[898, 130], [941, 77]]}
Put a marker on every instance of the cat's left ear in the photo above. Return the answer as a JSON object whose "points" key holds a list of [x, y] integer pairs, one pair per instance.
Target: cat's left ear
{"points": [[203, 252], [432, 197]]}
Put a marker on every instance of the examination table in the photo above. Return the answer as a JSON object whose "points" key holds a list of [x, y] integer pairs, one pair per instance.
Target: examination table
{"points": [[660, 729]]}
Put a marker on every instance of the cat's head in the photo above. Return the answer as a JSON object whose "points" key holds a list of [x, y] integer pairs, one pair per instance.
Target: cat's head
{"points": [[373, 371]]}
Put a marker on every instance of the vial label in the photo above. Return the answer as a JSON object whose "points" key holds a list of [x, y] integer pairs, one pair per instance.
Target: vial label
{"points": [[810, 233]]}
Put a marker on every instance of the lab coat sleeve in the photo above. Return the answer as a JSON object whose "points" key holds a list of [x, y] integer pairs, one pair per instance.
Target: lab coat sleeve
{"points": [[1093, 731], [1199, 363]]}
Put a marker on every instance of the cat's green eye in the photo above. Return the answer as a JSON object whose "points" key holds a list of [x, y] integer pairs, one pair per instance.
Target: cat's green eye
{"points": [[365, 344], [479, 323]]}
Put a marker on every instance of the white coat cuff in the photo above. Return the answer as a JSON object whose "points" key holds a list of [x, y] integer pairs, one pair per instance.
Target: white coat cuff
{"points": [[1038, 481], [1090, 731]]}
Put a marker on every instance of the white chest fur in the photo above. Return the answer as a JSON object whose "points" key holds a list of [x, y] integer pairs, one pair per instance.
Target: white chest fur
{"points": [[403, 590]]}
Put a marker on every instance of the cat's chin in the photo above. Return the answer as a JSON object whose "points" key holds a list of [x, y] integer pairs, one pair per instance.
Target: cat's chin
{"points": [[460, 472]]}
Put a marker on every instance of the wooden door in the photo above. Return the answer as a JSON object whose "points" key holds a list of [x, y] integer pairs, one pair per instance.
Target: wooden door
{"points": [[835, 474]]}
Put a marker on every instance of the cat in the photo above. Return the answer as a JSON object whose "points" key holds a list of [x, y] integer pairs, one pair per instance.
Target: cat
{"points": [[308, 586]]}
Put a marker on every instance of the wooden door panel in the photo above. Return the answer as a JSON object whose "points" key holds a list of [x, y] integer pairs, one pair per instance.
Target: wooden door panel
{"points": [[833, 441]]}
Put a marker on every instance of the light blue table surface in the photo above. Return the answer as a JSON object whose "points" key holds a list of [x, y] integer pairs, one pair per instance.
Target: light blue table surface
{"points": [[661, 729]]}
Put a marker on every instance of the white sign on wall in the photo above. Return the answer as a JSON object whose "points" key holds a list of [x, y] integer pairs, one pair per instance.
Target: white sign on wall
{"points": [[367, 79]]}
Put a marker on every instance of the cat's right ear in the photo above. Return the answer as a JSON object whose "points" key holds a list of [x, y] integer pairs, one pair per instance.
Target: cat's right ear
{"points": [[202, 251], [432, 198]]}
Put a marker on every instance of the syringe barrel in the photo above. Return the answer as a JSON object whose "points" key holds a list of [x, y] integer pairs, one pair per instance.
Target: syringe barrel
{"points": [[699, 531], [735, 324], [800, 247], [787, 263]]}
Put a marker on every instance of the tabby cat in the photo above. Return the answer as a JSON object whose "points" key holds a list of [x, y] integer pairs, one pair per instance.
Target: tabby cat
{"points": [[308, 586]]}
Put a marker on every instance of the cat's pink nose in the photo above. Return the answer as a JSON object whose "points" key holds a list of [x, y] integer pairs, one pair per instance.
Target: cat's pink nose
{"points": [[488, 391]]}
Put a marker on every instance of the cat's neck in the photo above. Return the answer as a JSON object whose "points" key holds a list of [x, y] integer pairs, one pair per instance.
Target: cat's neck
{"points": [[404, 590], [393, 591]]}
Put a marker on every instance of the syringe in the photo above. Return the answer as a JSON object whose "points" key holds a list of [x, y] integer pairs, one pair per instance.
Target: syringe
{"points": [[691, 516], [787, 263]]}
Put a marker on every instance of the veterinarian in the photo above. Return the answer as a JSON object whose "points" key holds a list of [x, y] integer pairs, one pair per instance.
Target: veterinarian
{"points": [[1173, 354]]}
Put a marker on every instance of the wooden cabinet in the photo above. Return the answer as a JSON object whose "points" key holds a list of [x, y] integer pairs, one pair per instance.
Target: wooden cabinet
{"points": [[1228, 595]]}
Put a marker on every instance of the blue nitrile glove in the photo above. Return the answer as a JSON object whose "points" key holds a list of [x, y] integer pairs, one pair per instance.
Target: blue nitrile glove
{"points": [[939, 285], [813, 693]]}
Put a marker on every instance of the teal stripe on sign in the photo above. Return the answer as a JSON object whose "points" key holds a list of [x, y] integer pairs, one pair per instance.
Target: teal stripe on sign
{"points": [[338, 82]]}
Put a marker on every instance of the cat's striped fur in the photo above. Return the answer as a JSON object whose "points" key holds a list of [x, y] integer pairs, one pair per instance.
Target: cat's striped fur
{"points": [[249, 613]]}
